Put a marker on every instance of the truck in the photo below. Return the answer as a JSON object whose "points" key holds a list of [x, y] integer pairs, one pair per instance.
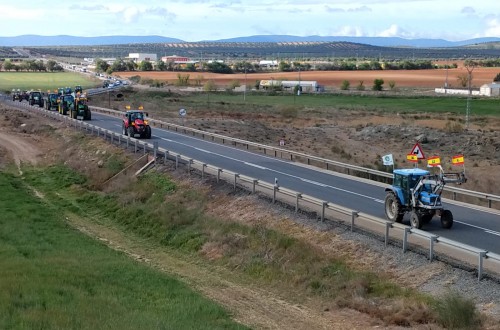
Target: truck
{"points": [[134, 123], [418, 192]]}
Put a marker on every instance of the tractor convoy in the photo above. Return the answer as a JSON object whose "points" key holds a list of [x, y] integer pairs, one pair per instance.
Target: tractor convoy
{"points": [[64, 100]]}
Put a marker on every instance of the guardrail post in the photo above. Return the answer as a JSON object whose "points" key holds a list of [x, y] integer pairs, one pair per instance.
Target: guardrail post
{"points": [[482, 254], [388, 225], [166, 156], [275, 153], [327, 167], [489, 203], [135, 150], [235, 178], [432, 241], [405, 238], [354, 215], [203, 170], [253, 187], [119, 139], [218, 174], [308, 161], [274, 193], [323, 211], [155, 149], [176, 161], [454, 195], [297, 197], [189, 166], [128, 141]]}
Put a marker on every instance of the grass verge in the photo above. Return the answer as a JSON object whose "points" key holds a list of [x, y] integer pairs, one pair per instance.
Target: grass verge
{"points": [[156, 208], [53, 277]]}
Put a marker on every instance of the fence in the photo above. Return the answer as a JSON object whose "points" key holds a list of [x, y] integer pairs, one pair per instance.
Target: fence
{"points": [[463, 253]]}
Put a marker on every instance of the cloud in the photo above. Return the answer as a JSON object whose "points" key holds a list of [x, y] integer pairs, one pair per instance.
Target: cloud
{"points": [[334, 10], [359, 9], [87, 7], [493, 27], [349, 31], [468, 11], [395, 31]]}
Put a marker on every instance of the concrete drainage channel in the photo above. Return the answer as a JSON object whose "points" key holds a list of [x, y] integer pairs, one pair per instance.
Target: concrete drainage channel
{"points": [[453, 252]]}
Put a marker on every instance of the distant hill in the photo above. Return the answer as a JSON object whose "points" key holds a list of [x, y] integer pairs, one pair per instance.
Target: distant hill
{"points": [[374, 41], [65, 40]]}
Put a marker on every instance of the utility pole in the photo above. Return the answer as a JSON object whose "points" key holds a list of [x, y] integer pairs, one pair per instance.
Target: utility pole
{"points": [[470, 66], [245, 90]]}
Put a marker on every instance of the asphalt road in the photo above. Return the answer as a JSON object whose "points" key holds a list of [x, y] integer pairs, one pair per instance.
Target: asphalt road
{"points": [[473, 225]]}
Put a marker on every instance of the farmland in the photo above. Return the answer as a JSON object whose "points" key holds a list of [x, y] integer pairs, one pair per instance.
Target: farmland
{"points": [[43, 80]]}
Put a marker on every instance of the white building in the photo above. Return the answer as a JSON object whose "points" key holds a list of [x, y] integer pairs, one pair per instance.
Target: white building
{"points": [[268, 64], [307, 85], [492, 89], [139, 57]]}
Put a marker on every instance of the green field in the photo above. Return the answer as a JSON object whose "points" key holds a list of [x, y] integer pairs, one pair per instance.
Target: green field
{"points": [[54, 277], [318, 104], [43, 80]]}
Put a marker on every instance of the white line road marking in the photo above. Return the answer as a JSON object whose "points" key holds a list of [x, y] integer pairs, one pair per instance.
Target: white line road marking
{"points": [[254, 165], [489, 231], [275, 171]]}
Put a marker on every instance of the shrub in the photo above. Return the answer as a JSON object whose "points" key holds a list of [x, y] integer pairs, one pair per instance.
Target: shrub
{"points": [[497, 78], [456, 312], [209, 86], [453, 127], [135, 79], [233, 84], [345, 85], [361, 86], [378, 84], [289, 111], [392, 84]]}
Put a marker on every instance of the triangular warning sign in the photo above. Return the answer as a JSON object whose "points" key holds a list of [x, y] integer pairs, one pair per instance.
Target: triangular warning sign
{"points": [[417, 150]]}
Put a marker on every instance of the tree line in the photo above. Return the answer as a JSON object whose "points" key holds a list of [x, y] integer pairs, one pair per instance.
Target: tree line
{"points": [[31, 65]]}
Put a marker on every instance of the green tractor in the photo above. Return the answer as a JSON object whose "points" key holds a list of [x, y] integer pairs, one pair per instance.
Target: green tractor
{"points": [[81, 109], [66, 103], [51, 101], [418, 192]]}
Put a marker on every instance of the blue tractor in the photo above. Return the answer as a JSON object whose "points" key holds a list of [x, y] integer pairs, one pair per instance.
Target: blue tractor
{"points": [[418, 192]]}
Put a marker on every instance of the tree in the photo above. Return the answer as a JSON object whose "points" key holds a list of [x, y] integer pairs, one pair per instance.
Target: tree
{"points": [[131, 66], [145, 66], [463, 79], [392, 84], [361, 86], [51, 65], [101, 65], [345, 85], [161, 66], [209, 86], [182, 80], [233, 84], [378, 84], [497, 78], [118, 65], [217, 67], [284, 67], [7, 65]]}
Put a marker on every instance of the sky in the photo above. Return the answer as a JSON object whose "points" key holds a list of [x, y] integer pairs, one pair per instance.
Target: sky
{"points": [[198, 20]]}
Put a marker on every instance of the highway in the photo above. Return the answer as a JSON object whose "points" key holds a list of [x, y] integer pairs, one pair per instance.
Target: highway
{"points": [[473, 225]]}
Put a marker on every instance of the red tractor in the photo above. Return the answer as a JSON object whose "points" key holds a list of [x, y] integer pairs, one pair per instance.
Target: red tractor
{"points": [[135, 123]]}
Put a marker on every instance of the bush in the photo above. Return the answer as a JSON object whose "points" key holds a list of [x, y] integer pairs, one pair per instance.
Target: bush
{"points": [[360, 86], [135, 79], [378, 84], [345, 85], [209, 86], [289, 111], [497, 78], [392, 84], [456, 312]]}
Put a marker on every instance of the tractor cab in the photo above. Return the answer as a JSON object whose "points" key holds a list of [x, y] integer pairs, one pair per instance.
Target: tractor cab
{"points": [[78, 89]]}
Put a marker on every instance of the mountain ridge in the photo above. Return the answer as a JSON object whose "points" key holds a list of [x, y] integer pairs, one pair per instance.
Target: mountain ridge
{"points": [[68, 40]]}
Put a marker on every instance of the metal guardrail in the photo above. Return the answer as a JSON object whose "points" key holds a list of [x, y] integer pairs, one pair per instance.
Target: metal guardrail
{"points": [[355, 218], [329, 164]]}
